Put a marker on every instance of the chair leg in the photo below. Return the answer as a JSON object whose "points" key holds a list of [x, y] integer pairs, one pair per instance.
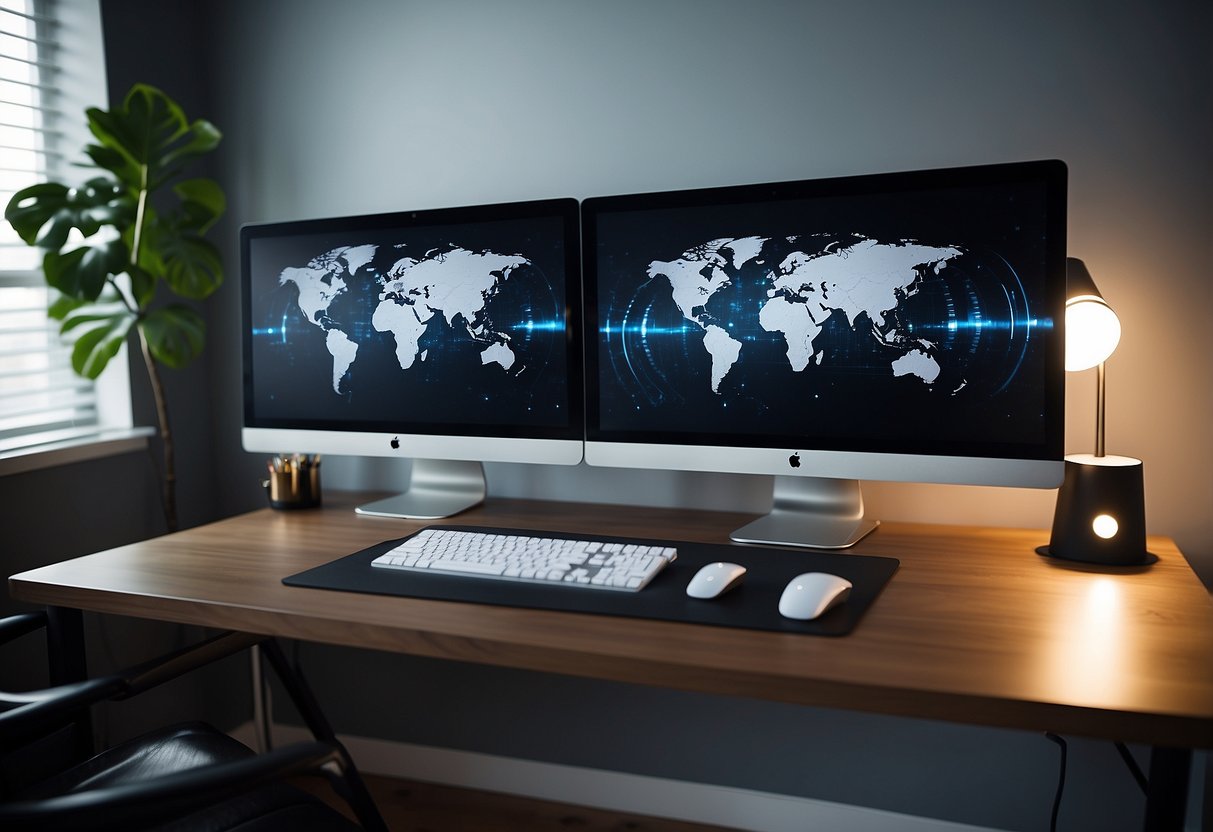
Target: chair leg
{"points": [[359, 797], [67, 663]]}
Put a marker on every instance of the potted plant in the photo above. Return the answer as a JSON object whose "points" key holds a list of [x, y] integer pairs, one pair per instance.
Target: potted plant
{"points": [[113, 242]]}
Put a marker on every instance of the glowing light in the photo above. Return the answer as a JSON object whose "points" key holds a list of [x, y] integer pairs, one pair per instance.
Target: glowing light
{"points": [[981, 324], [645, 329], [1092, 332], [1088, 660], [1105, 526], [1103, 597], [545, 326]]}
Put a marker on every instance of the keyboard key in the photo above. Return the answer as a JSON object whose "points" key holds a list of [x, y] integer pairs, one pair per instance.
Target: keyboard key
{"points": [[467, 566]]}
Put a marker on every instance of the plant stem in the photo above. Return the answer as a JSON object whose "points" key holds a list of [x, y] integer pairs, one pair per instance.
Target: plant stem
{"points": [[169, 494], [127, 302], [139, 214]]}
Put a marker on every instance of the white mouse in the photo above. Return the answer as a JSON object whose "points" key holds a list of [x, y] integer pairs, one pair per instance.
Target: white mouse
{"points": [[715, 579], [809, 595]]}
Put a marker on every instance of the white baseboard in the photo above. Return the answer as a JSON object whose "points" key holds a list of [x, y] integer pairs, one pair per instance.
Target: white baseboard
{"points": [[614, 791]]}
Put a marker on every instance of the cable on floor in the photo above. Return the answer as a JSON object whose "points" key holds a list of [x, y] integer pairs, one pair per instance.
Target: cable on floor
{"points": [[1061, 778]]}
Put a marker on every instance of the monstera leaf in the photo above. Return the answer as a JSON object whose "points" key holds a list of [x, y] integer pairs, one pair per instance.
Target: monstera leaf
{"points": [[43, 215], [202, 202], [103, 330], [175, 334], [149, 139], [82, 272]]}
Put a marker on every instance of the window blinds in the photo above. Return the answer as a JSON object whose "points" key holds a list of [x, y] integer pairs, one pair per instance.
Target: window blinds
{"points": [[41, 399]]}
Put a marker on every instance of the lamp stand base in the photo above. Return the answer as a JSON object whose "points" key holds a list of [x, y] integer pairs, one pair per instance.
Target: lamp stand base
{"points": [[1100, 516]]}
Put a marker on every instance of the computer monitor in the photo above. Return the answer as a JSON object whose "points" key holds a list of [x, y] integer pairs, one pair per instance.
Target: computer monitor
{"points": [[903, 327], [449, 336]]}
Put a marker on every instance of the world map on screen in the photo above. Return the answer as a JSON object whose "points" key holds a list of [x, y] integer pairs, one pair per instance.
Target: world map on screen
{"points": [[451, 282], [800, 289]]}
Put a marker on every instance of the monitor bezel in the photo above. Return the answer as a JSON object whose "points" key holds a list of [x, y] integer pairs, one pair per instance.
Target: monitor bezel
{"points": [[401, 437], [1035, 465]]}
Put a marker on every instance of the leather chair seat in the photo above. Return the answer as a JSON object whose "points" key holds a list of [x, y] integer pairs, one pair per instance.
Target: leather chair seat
{"points": [[178, 748]]}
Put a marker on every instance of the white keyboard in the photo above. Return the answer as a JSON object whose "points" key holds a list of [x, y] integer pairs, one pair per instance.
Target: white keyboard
{"points": [[544, 560]]}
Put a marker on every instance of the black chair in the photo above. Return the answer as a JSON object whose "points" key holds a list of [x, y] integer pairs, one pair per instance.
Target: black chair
{"points": [[185, 778]]}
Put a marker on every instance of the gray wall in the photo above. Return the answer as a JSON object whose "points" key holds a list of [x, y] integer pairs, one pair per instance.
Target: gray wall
{"points": [[333, 108]]}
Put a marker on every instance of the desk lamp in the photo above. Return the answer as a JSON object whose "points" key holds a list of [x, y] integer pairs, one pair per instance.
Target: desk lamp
{"points": [[1100, 515]]}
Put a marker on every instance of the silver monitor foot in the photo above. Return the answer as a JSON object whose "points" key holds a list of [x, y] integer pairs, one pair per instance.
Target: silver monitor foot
{"points": [[811, 511], [437, 489]]}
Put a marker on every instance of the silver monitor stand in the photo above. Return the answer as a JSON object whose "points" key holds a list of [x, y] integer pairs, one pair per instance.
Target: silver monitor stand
{"points": [[437, 488], [811, 511]]}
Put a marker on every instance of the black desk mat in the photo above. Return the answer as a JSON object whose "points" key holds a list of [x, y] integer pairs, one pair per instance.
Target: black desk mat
{"points": [[753, 605]]}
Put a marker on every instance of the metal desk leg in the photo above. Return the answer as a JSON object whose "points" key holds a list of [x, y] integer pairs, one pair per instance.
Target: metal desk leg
{"points": [[67, 664], [358, 796], [261, 717], [1167, 794]]}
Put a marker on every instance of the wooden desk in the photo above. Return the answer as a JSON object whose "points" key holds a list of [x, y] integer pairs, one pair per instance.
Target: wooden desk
{"points": [[974, 628]]}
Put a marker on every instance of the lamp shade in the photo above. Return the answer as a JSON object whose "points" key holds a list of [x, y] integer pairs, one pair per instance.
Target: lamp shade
{"points": [[1092, 328]]}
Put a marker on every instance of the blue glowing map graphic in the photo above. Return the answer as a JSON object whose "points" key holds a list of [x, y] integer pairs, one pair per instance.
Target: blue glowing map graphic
{"points": [[455, 283], [864, 277], [385, 331]]}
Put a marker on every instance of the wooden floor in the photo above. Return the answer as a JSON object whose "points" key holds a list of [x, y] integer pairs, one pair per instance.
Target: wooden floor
{"points": [[410, 806]]}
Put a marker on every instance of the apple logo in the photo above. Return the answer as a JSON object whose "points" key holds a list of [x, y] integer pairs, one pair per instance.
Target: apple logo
{"points": [[794, 460], [395, 443]]}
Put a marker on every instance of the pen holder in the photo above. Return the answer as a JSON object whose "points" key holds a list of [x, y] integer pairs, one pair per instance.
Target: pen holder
{"points": [[295, 488]]}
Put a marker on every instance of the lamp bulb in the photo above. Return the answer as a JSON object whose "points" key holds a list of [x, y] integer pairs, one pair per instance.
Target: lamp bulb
{"points": [[1105, 526], [1092, 332]]}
